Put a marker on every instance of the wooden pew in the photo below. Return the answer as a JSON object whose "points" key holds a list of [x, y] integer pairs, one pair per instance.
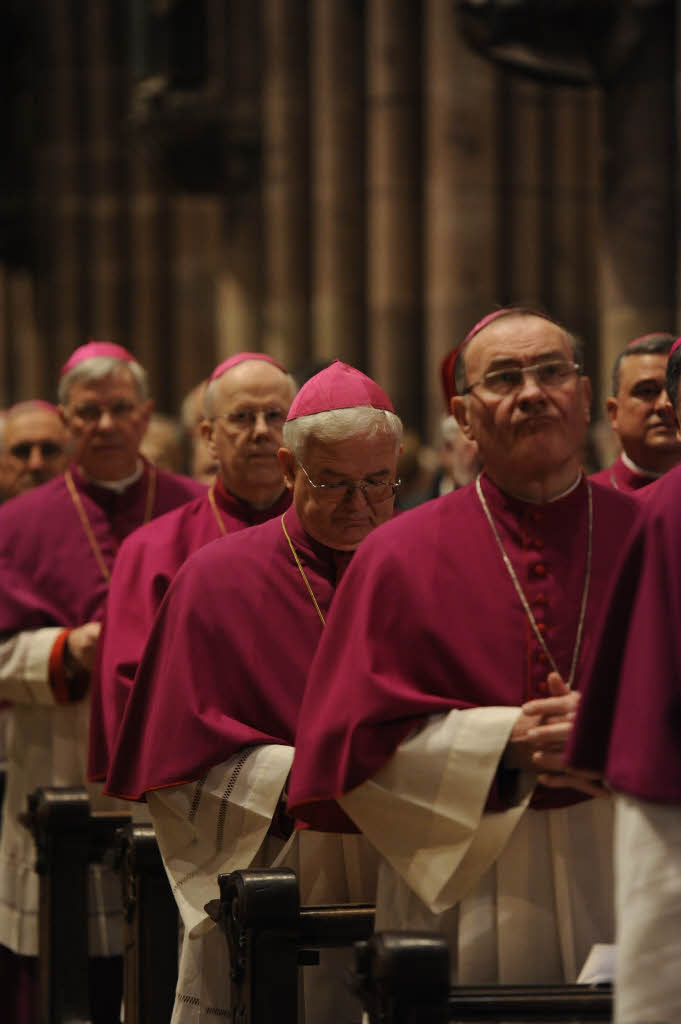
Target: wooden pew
{"points": [[68, 839], [403, 978], [151, 939], [270, 935]]}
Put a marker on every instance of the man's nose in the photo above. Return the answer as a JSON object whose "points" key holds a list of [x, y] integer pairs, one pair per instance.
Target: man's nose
{"points": [[106, 420], [529, 389], [260, 425], [36, 459], [665, 411], [356, 497]]}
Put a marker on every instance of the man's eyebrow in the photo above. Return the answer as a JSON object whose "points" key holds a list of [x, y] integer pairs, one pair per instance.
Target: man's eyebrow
{"points": [[333, 472], [501, 362]]}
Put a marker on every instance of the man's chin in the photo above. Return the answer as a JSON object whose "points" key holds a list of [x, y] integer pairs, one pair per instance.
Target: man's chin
{"points": [[353, 534], [665, 441], [109, 465]]}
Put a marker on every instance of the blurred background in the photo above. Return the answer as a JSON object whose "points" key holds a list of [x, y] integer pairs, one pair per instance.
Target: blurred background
{"points": [[320, 178]]}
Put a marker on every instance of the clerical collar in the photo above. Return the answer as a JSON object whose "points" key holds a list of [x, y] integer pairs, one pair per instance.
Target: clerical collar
{"points": [[556, 497], [115, 485], [630, 464], [254, 511]]}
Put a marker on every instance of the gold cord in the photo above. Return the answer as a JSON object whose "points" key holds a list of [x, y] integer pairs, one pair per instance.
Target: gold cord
{"points": [[521, 593], [216, 511], [89, 533], [302, 571]]}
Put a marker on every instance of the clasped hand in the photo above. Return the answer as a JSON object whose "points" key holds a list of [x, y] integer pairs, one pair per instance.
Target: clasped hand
{"points": [[540, 736]]}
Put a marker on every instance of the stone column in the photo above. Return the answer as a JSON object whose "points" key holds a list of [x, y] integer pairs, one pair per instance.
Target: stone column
{"points": [[100, 149], [461, 188], [338, 180], [197, 253], [394, 159], [286, 181], [521, 104], [59, 202], [639, 183], [240, 285]]}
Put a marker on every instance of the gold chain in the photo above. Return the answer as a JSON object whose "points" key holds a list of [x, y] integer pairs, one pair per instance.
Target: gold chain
{"points": [[89, 533], [521, 593], [302, 571], [216, 511]]}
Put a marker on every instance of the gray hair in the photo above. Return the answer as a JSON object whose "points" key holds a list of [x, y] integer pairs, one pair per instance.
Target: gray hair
{"points": [[575, 342], [340, 425], [99, 367], [209, 396]]}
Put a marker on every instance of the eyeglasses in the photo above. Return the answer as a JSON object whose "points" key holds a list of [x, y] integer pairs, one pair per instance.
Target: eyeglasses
{"points": [[246, 419], [92, 413], [375, 491], [48, 449], [547, 375]]}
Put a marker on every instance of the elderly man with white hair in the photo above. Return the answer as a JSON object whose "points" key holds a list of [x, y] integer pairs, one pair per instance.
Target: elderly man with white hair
{"points": [[209, 728], [442, 694], [58, 544]]}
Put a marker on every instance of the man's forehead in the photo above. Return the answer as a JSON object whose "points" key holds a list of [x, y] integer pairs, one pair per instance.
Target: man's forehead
{"points": [[514, 337], [31, 422], [251, 380], [643, 365], [359, 450]]}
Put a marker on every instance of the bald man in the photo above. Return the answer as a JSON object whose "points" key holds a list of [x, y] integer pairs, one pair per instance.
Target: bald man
{"points": [[33, 447], [246, 402]]}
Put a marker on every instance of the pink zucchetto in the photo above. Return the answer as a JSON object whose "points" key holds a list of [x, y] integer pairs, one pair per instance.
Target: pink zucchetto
{"points": [[338, 386], [93, 349], [674, 347], [655, 336], [243, 357]]}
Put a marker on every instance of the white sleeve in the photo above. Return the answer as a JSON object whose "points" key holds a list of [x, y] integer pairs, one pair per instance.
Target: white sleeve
{"points": [[648, 909], [25, 664], [218, 824], [424, 810]]}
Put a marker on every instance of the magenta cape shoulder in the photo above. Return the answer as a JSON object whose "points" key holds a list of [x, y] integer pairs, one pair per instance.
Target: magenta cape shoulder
{"points": [[427, 620], [49, 573], [226, 662], [622, 478], [146, 563], [629, 724]]}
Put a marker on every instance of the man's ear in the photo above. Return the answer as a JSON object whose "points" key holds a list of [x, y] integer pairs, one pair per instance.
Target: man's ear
{"points": [[287, 464], [611, 407], [459, 408], [207, 433], [62, 415]]}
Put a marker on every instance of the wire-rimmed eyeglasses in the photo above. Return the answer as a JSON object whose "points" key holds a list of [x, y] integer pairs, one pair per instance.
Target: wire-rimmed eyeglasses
{"points": [[375, 491], [551, 374]]}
